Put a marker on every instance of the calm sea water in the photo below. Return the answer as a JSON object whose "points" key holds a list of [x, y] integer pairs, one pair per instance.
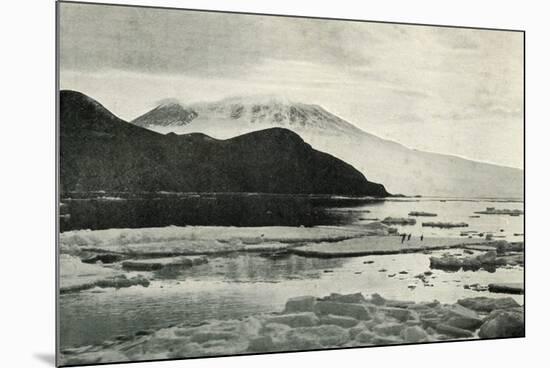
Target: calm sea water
{"points": [[244, 284], [448, 210], [124, 210]]}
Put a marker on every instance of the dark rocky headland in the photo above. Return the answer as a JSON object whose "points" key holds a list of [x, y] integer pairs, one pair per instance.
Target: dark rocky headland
{"points": [[100, 152]]}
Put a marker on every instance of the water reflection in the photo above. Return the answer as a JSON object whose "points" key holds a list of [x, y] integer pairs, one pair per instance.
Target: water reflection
{"points": [[254, 268], [247, 284], [238, 285], [122, 210]]}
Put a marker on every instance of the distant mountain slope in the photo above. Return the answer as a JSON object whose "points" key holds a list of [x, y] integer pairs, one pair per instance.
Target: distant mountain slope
{"points": [[402, 170], [168, 114], [102, 152]]}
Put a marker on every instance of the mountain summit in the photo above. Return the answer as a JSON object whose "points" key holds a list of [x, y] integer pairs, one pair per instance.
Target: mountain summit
{"points": [[224, 118], [401, 169], [167, 114]]}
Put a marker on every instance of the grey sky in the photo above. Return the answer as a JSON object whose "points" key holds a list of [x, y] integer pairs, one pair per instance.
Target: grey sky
{"points": [[448, 90]]}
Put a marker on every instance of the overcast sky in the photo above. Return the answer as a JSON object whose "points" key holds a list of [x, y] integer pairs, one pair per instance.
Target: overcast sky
{"points": [[456, 91]]}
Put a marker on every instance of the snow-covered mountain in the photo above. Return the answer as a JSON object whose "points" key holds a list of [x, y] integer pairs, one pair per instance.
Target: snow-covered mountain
{"points": [[234, 116], [166, 115], [400, 169]]}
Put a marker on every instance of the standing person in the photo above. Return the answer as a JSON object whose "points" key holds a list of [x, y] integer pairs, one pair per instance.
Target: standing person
{"points": [[409, 237], [422, 237], [403, 238]]}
